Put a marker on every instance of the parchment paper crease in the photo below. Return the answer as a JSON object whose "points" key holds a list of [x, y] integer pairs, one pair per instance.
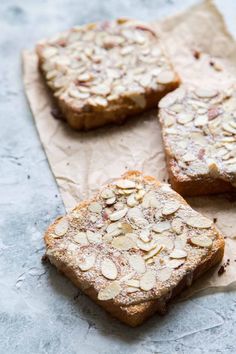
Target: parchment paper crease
{"points": [[82, 162]]}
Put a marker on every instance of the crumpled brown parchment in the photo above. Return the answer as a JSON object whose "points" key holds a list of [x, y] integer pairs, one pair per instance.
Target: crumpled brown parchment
{"points": [[201, 50]]}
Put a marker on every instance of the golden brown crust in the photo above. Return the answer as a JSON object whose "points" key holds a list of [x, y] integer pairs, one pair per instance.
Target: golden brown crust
{"points": [[134, 315]]}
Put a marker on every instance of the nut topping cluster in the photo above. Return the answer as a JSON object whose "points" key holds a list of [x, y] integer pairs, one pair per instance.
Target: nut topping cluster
{"points": [[199, 131], [94, 65], [132, 251]]}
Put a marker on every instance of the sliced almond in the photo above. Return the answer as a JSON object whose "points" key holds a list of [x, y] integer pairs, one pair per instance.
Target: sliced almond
{"points": [[164, 274], [177, 225], [175, 263], [150, 200], [184, 118], [188, 157], [201, 241], [153, 252], [110, 201], [95, 207], [137, 263], [201, 120], [107, 193], [133, 282], [148, 280], [123, 243], [166, 77], [119, 214], [206, 93], [61, 228], [164, 241], [131, 201], [88, 262], [109, 292], [131, 289], [140, 194], [161, 226], [80, 238], [145, 235], [228, 128], [180, 241], [125, 184], [177, 253], [113, 227], [94, 237], [171, 98], [108, 269], [145, 246], [199, 221], [126, 228], [170, 207]]}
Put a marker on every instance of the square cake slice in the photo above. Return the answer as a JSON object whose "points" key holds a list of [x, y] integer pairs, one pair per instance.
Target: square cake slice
{"points": [[104, 72], [199, 135], [134, 246]]}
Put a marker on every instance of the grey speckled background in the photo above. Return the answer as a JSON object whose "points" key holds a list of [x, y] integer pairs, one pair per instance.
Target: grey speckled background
{"points": [[40, 311]]}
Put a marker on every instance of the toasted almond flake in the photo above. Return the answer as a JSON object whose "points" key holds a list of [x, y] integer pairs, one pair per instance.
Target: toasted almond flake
{"points": [[165, 77], [145, 246], [117, 215], [119, 206], [150, 200], [199, 221], [206, 93], [94, 237], [126, 228], [74, 93], [132, 201], [180, 241], [125, 184], [111, 201], [110, 291], [161, 226], [113, 227], [184, 118], [131, 289], [201, 241], [135, 214], [177, 108], [177, 225], [128, 191], [148, 280], [95, 207], [133, 282], [164, 274], [171, 98], [88, 262], [150, 261], [107, 193], [231, 161], [164, 241], [80, 238], [93, 218], [228, 128], [137, 263], [201, 120], [101, 89], [140, 194], [153, 252], [108, 269], [145, 235], [170, 207], [213, 168], [178, 253], [61, 228], [175, 263], [188, 157], [169, 120], [123, 243], [49, 52]]}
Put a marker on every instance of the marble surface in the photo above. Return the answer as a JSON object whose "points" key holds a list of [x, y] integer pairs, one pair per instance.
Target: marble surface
{"points": [[40, 310]]}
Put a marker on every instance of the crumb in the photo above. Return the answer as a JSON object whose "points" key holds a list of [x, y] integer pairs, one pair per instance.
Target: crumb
{"points": [[44, 259], [56, 113], [196, 54], [215, 220], [221, 270]]}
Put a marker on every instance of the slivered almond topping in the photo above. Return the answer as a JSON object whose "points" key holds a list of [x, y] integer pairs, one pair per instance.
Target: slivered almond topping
{"points": [[177, 225], [61, 228], [153, 252], [201, 241], [110, 291], [201, 120], [93, 237], [164, 241], [119, 214], [178, 253], [111, 201], [161, 226], [175, 263], [108, 269], [133, 282], [150, 200], [164, 274], [107, 193], [140, 194], [88, 262], [123, 243], [137, 263], [132, 201], [145, 235], [113, 227], [148, 280], [206, 93], [126, 228], [80, 238], [170, 207], [180, 241], [199, 221], [125, 184], [95, 207], [145, 246], [184, 118]]}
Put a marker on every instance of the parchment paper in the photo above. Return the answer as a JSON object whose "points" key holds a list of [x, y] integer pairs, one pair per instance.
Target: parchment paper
{"points": [[82, 162]]}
